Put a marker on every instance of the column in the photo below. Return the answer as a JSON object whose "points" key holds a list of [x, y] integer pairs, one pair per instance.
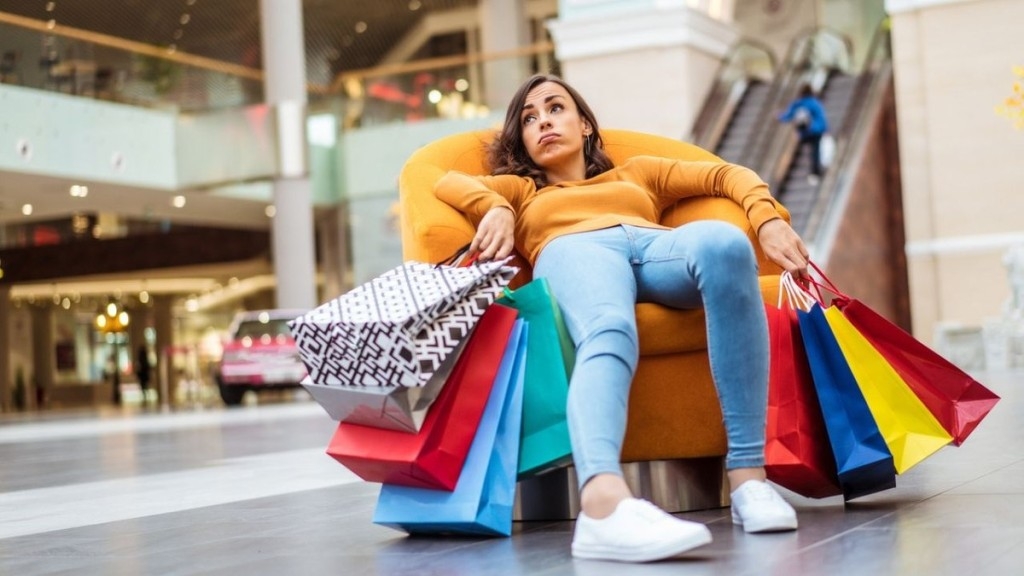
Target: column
{"points": [[332, 239], [43, 356], [643, 65], [138, 320], [503, 27], [284, 84], [6, 385], [163, 326]]}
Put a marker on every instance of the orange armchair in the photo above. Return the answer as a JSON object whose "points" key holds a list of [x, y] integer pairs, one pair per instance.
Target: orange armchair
{"points": [[674, 412]]}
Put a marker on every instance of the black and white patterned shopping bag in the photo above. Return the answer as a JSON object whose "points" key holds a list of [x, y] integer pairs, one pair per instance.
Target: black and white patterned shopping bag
{"points": [[397, 329]]}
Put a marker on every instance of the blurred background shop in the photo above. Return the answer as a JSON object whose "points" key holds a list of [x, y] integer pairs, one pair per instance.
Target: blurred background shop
{"points": [[167, 165]]}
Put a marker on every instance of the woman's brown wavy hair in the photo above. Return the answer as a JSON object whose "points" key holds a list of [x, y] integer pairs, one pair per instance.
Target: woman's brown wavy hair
{"points": [[507, 153]]}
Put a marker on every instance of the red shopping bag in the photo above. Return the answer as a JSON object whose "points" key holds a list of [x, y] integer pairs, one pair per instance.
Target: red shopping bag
{"points": [[798, 455], [954, 398], [433, 457]]}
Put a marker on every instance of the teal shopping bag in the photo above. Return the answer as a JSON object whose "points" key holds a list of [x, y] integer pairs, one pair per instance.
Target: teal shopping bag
{"points": [[483, 498], [549, 361]]}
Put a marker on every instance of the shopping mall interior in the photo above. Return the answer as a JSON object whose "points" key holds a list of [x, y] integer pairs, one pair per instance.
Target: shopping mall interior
{"points": [[167, 166], [143, 160]]}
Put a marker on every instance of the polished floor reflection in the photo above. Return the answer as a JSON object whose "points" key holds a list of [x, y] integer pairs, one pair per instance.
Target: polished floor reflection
{"points": [[250, 491]]}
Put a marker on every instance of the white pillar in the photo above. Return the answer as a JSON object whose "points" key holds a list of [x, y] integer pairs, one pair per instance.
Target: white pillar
{"points": [[503, 27], [643, 65], [284, 84], [5, 348]]}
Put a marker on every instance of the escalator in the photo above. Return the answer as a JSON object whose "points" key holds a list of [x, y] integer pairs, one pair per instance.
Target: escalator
{"points": [[744, 124], [852, 219], [796, 190]]}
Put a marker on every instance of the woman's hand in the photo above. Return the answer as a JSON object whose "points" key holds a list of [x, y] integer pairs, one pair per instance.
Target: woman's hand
{"points": [[495, 236], [782, 245]]}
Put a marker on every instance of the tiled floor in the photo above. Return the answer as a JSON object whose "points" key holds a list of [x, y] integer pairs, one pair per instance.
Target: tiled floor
{"points": [[250, 491]]}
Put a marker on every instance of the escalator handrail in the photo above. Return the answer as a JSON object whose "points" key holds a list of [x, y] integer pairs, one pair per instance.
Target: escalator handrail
{"points": [[851, 139], [765, 153], [725, 93]]}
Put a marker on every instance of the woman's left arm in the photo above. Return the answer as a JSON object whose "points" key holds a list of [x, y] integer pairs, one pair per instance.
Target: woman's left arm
{"points": [[676, 179]]}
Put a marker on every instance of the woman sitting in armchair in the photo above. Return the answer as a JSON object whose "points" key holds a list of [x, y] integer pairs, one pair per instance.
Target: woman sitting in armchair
{"points": [[591, 229]]}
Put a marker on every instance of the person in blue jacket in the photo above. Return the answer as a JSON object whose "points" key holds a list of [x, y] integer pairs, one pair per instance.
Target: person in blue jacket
{"points": [[808, 116]]}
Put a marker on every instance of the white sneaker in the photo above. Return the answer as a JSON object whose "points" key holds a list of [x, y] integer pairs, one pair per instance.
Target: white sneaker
{"points": [[637, 531], [758, 508]]}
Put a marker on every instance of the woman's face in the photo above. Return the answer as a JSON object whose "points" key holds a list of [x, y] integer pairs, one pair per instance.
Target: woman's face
{"points": [[553, 132]]}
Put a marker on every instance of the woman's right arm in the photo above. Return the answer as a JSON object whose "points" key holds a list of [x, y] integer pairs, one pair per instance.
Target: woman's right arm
{"points": [[490, 204]]}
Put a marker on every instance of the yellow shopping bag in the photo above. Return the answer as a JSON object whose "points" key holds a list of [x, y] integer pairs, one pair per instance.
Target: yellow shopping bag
{"points": [[910, 430]]}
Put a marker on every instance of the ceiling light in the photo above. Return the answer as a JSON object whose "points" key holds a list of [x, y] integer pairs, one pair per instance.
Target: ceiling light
{"points": [[434, 96], [178, 202], [184, 19], [270, 211], [26, 209], [50, 6], [360, 27], [462, 84], [144, 297], [415, 5], [51, 24], [79, 191], [178, 33]]}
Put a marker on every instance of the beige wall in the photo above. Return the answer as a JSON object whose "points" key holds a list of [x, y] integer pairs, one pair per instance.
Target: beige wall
{"points": [[641, 66], [963, 174]]}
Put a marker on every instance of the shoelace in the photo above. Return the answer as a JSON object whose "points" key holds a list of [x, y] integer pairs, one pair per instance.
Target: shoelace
{"points": [[761, 491], [649, 511]]}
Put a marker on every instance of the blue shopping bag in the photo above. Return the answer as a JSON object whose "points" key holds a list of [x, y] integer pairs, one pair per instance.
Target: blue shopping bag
{"points": [[863, 461], [482, 501], [550, 357]]}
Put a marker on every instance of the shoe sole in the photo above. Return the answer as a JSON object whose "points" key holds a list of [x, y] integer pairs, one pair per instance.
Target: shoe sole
{"points": [[668, 550], [769, 525]]}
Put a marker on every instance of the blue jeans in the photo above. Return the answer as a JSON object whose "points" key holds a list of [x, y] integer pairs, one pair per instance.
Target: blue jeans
{"points": [[599, 276]]}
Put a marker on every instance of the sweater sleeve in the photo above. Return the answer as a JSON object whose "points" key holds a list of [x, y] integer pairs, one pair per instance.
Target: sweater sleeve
{"points": [[475, 195], [671, 180]]}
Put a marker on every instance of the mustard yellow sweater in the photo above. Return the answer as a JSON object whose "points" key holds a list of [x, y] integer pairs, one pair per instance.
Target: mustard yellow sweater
{"points": [[634, 193]]}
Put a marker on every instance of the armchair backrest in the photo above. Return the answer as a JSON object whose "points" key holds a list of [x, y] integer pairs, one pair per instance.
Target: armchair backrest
{"points": [[432, 230]]}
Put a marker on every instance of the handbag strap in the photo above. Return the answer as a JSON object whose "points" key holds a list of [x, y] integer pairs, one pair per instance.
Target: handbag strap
{"points": [[792, 292], [822, 284]]}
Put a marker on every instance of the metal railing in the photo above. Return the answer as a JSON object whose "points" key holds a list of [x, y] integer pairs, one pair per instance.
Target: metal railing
{"points": [[748, 60], [809, 60], [851, 140], [36, 54]]}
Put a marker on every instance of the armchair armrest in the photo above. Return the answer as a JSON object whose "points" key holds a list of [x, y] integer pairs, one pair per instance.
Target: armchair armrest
{"points": [[431, 229]]}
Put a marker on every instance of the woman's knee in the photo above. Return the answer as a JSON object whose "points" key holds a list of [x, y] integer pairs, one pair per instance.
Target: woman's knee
{"points": [[725, 247]]}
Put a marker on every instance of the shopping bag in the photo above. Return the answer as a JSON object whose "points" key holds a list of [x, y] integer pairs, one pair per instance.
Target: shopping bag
{"points": [[798, 455], [549, 361], [433, 457], [405, 407], [958, 401], [910, 431], [954, 398], [863, 461], [379, 355], [484, 496], [826, 150], [374, 335]]}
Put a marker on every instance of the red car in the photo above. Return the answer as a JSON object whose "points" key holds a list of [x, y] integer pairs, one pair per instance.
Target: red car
{"points": [[259, 355]]}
